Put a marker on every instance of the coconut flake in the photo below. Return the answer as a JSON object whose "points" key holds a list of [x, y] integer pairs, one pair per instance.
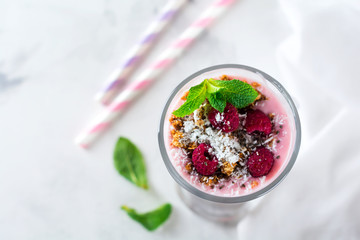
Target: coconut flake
{"points": [[224, 147], [219, 117], [188, 126]]}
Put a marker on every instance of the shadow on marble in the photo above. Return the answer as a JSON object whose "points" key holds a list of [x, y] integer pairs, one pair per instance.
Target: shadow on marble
{"points": [[7, 83]]}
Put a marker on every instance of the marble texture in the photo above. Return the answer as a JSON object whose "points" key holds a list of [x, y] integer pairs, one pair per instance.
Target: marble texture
{"points": [[54, 56]]}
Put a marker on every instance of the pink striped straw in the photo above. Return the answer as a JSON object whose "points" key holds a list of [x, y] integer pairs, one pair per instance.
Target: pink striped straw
{"points": [[137, 53], [131, 92]]}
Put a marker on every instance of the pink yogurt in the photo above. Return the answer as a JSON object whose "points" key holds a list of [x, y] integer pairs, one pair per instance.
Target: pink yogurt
{"points": [[236, 187]]}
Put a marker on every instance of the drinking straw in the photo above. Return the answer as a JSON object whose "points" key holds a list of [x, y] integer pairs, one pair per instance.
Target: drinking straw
{"points": [[129, 94], [138, 52]]}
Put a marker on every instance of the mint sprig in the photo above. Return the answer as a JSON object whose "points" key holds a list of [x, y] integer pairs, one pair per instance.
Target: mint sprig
{"points": [[218, 92]]}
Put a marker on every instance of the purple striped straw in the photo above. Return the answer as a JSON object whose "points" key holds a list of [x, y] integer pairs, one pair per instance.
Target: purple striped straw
{"points": [[138, 52]]}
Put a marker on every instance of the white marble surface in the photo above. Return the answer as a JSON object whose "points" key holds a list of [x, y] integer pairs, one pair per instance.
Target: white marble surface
{"points": [[54, 56]]}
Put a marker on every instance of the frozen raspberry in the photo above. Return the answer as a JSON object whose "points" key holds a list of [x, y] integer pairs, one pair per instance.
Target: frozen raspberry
{"points": [[256, 120], [227, 121], [260, 162], [204, 161]]}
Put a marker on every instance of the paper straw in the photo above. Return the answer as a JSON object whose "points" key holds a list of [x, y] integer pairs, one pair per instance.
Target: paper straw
{"points": [[137, 53], [109, 114]]}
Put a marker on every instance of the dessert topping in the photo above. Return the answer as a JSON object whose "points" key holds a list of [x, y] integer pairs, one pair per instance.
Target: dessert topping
{"points": [[218, 93], [204, 160], [260, 162], [256, 120], [228, 121]]}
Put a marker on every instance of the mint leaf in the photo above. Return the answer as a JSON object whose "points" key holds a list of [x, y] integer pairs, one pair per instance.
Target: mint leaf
{"points": [[218, 92], [238, 93], [129, 162], [150, 220], [212, 86], [195, 98], [217, 101]]}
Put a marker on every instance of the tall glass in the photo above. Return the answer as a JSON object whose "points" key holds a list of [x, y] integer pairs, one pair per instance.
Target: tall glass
{"points": [[225, 208]]}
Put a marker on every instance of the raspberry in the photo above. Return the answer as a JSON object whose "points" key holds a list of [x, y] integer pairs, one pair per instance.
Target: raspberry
{"points": [[256, 120], [260, 162], [227, 121], [205, 162]]}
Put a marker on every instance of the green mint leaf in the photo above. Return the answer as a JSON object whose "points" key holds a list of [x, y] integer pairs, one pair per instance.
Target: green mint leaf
{"points": [[217, 101], [238, 93], [150, 220], [129, 162], [218, 92], [212, 86], [196, 96]]}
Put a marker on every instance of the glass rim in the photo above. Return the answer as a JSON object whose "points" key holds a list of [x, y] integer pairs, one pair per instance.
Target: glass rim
{"points": [[183, 183]]}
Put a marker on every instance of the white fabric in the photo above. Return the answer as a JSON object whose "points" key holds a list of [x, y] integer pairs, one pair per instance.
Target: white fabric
{"points": [[321, 64]]}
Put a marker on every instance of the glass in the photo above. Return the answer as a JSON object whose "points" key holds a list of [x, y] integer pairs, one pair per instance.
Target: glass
{"points": [[223, 208]]}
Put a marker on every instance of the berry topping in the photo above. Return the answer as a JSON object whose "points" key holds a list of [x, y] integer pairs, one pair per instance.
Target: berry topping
{"points": [[260, 162], [205, 162], [256, 120], [227, 121]]}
